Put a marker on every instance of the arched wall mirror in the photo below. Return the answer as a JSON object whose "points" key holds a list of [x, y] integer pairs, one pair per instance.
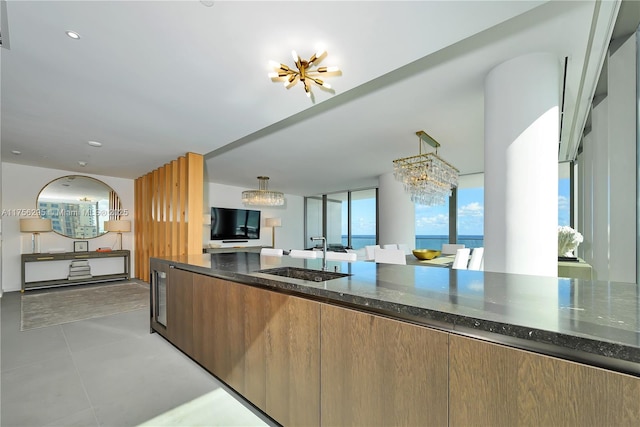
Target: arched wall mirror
{"points": [[78, 206]]}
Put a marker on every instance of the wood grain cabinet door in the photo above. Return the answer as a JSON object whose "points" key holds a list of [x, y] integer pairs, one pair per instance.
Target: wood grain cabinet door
{"points": [[263, 344], [495, 385], [293, 360], [180, 309], [380, 372], [210, 325]]}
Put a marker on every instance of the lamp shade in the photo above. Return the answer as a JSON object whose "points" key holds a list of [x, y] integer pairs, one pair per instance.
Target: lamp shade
{"points": [[35, 225], [273, 222], [119, 225]]}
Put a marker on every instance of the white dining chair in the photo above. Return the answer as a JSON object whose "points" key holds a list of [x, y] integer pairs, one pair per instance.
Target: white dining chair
{"points": [[297, 253], [271, 252], [462, 259], [342, 256], [369, 252], [451, 248], [390, 256], [390, 246], [475, 263]]}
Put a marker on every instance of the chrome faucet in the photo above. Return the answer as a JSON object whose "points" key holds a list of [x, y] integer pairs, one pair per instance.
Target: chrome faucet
{"points": [[324, 251]]}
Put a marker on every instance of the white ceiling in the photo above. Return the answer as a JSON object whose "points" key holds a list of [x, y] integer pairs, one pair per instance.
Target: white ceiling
{"points": [[152, 80]]}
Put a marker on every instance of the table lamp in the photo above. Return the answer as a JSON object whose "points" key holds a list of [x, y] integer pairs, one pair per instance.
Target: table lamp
{"points": [[273, 223], [35, 226], [119, 226]]}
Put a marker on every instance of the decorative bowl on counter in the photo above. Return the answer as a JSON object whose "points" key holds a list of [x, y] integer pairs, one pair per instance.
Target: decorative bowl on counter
{"points": [[426, 253]]}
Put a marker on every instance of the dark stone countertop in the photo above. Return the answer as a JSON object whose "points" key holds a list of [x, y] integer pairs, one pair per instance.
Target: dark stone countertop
{"points": [[591, 322]]}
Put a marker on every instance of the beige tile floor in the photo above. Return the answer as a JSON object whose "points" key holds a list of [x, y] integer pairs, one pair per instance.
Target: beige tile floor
{"points": [[107, 371]]}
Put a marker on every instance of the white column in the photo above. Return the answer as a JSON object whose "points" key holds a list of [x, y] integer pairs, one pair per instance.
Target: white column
{"points": [[521, 165], [397, 213]]}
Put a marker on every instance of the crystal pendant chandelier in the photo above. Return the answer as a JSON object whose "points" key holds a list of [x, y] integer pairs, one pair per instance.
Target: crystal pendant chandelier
{"points": [[262, 196], [426, 177], [304, 72]]}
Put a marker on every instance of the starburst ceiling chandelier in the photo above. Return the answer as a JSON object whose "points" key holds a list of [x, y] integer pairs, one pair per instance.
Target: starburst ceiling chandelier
{"points": [[304, 72], [426, 177], [262, 196]]}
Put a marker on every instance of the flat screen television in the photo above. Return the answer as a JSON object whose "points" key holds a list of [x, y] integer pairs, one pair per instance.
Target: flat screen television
{"points": [[234, 224]]}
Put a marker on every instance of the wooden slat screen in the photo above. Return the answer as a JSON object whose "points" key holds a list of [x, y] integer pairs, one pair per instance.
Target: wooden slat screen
{"points": [[168, 217]]}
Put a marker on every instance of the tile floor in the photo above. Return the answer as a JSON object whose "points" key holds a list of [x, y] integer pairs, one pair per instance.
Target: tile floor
{"points": [[108, 371]]}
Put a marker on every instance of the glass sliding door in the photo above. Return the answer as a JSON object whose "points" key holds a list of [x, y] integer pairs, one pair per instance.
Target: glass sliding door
{"points": [[363, 219], [336, 204], [314, 219], [348, 219]]}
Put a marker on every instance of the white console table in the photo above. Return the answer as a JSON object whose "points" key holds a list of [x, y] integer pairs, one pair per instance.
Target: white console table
{"points": [[63, 257]]}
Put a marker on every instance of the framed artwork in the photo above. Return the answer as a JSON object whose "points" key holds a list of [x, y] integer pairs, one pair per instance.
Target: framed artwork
{"points": [[81, 246]]}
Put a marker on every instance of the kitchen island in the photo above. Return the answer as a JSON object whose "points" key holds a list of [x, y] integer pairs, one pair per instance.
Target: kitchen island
{"points": [[408, 345]]}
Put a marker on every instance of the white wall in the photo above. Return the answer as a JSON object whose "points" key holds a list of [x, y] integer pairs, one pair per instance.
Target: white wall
{"points": [[20, 187], [289, 236]]}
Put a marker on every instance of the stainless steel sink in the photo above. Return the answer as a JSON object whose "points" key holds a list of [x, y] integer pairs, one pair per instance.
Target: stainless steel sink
{"points": [[304, 273]]}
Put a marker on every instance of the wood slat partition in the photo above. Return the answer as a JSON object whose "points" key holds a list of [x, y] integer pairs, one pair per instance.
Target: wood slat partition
{"points": [[168, 216]]}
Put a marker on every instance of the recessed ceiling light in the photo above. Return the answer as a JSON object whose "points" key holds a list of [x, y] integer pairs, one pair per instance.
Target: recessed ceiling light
{"points": [[81, 163], [16, 152], [73, 34], [94, 143]]}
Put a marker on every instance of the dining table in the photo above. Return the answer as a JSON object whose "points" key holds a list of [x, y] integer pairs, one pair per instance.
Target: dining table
{"points": [[440, 261], [577, 269]]}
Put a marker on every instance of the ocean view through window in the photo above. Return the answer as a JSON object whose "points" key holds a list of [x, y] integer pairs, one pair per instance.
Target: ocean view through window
{"points": [[422, 242], [431, 222]]}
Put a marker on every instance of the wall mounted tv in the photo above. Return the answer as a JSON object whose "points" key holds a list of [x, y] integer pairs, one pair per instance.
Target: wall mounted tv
{"points": [[234, 224]]}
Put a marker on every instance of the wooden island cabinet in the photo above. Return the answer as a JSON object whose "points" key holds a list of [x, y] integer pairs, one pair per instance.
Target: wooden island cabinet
{"points": [[267, 347], [263, 344], [308, 361], [381, 372], [172, 304], [495, 385]]}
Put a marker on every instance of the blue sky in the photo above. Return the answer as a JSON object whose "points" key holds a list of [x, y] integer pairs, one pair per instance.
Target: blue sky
{"points": [[434, 220]]}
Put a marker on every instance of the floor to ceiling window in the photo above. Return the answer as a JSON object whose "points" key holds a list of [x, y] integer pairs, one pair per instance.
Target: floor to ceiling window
{"points": [[470, 211], [314, 219], [347, 219], [363, 220], [432, 222], [432, 226], [336, 220], [564, 198]]}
